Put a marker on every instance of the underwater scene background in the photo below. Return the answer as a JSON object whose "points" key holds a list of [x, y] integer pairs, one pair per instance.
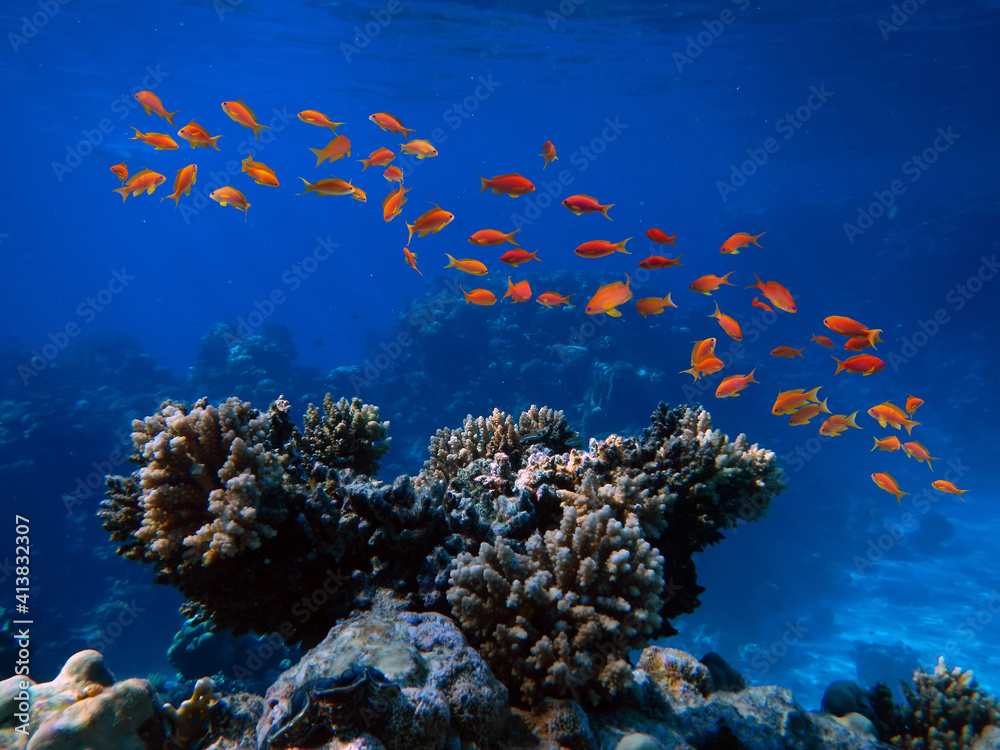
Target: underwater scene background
{"points": [[859, 136]]}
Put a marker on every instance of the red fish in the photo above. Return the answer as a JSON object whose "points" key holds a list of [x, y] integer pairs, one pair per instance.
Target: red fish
{"points": [[916, 450], [230, 196], [338, 148], [852, 328], [889, 414], [182, 183], [731, 386], [890, 443], [608, 297], [709, 283], [654, 262], [511, 184], [479, 297], [330, 186], [821, 340], [729, 325], [549, 152], [198, 137], [392, 204], [885, 481], [912, 404], [786, 351], [658, 235], [260, 172], [419, 148], [740, 239], [393, 174], [241, 114], [411, 258], [788, 401], [585, 204], [866, 364], [551, 299], [121, 172], [430, 222], [516, 257], [945, 486], [146, 180], [312, 117], [776, 294], [838, 423], [391, 124], [519, 292], [653, 305], [468, 265], [804, 414], [600, 248], [763, 305], [380, 157], [151, 103], [486, 237], [161, 141]]}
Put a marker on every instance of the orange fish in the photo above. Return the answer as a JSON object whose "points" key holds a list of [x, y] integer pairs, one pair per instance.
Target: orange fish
{"points": [[551, 299], [608, 297], [151, 103], [146, 180], [912, 404], [312, 117], [740, 239], [776, 294], [585, 204], [392, 204], [913, 449], [945, 486], [653, 305], [360, 195], [706, 366], [241, 114], [822, 341], [430, 222], [329, 186], [419, 148], [729, 325], [838, 423], [763, 305], [856, 344], [519, 292], [391, 124], [885, 481], [805, 413], [702, 350], [411, 258], [788, 401], [786, 351], [338, 148], [890, 443], [260, 172], [121, 172], [198, 137], [659, 261], [511, 184], [516, 257], [709, 283], [889, 414], [866, 364], [380, 157], [161, 141], [182, 183], [852, 328], [393, 174], [486, 237], [658, 235], [600, 248], [468, 265], [479, 297], [230, 196], [549, 152], [731, 386]]}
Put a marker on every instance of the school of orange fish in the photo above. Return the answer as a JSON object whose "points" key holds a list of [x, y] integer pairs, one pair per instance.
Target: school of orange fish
{"points": [[801, 405]]}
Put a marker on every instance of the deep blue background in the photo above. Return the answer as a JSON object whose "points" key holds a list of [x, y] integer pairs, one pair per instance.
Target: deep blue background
{"points": [[499, 80]]}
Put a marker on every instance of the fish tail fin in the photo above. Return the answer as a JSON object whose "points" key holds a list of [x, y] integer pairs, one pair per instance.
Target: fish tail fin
{"points": [[509, 236], [212, 140], [823, 406], [124, 192], [246, 210], [754, 239], [813, 395], [909, 424], [308, 185], [451, 261], [725, 279], [169, 116], [694, 372], [667, 302], [604, 210], [620, 247], [411, 227], [899, 496], [758, 285], [175, 196], [840, 365], [535, 256], [875, 446], [850, 420], [750, 376], [486, 183], [873, 336], [367, 163], [257, 127], [960, 493], [799, 352]]}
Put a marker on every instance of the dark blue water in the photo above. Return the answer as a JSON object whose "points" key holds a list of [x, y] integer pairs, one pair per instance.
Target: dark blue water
{"points": [[860, 136]]}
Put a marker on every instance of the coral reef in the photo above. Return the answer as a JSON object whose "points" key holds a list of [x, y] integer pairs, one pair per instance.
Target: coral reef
{"points": [[347, 435]]}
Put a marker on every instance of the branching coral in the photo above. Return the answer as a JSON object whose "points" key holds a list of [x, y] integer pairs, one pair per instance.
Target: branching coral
{"points": [[347, 435]]}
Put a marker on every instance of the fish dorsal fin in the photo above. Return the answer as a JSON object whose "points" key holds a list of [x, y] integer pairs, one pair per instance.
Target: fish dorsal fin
{"points": [[244, 105]]}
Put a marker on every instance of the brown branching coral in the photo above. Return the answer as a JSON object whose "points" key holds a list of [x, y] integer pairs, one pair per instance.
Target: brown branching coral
{"points": [[347, 435]]}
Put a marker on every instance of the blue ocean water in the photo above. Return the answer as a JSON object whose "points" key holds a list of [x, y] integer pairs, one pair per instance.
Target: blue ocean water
{"points": [[860, 136]]}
